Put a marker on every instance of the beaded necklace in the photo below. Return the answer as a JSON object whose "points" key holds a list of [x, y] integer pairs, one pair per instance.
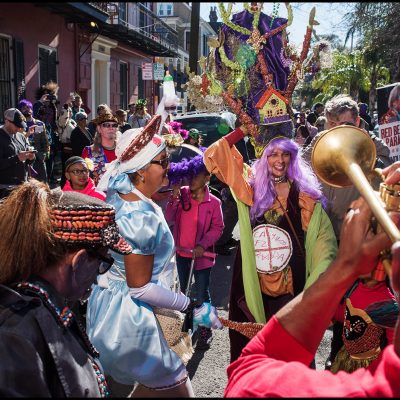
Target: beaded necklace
{"points": [[65, 318]]}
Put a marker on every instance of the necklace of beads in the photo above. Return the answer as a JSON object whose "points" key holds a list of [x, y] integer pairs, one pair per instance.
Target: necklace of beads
{"points": [[65, 318], [274, 14], [280, 179]]}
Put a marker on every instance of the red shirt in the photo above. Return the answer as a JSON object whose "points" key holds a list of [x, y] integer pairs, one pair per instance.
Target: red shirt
{"points": [[274, 364]]}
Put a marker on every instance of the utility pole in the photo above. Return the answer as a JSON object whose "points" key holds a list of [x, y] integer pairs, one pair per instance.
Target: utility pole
{"points": [[194, 39]]}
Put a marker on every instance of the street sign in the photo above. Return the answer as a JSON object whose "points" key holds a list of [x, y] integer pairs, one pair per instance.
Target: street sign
{"points": [[158, 71], [147, 71]]}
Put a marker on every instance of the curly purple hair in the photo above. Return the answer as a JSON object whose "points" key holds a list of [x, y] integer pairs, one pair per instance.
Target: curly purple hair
{"points": [[23, 103], [299, 171], [186, 170]]}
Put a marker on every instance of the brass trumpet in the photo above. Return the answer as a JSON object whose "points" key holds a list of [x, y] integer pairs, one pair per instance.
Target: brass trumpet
{"points": [[345, 155]]}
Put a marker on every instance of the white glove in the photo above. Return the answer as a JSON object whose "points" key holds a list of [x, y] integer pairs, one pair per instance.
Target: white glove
{"points": [[206, 315]]}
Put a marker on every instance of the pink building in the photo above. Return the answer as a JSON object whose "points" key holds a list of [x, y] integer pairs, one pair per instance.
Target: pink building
{"points": [[94, 49]]}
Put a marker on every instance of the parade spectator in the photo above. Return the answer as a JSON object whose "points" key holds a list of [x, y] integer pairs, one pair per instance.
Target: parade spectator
{"points": [[302, 137], [141, 117], [283, 349], [45, 109], [195, 138], [320, 123], [195, 216], [80, 136], [77, 178], [46, 266], [279, 196], [101, 109], [37, 138], [131, 110], [102, 151], [65, 126], [137, 350], [15, 153], [318, 109], [363, 108], [76, 104], [343, 110], [122, 116]]}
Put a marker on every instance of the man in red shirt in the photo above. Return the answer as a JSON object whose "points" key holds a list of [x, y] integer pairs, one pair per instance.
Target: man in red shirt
{"points": [[275, 363]]}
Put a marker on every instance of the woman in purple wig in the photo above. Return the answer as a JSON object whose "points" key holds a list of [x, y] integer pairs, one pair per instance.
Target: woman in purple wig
{"points": [[286, 238]]}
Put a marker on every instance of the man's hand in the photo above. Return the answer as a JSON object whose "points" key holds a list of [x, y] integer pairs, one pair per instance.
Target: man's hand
{"points": [[359, 248], [198, 251], [26, 155], [30, 131], [392, 173]]}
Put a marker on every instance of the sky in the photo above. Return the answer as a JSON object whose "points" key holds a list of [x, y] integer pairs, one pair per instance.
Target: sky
{"points": [[329, 15]]}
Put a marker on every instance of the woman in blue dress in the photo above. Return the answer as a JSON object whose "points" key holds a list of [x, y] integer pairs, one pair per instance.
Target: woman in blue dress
{"points": [[120, 318]]}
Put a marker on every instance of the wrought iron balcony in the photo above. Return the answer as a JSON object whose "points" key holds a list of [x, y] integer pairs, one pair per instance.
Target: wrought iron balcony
{"points": [[137, 25]]}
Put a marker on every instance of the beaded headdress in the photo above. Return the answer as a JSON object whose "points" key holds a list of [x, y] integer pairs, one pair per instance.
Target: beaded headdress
{"points": [[87, 221], [252, 67]]}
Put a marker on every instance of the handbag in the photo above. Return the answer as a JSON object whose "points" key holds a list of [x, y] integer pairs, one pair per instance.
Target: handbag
{"points": [[280, 282], [171, 322]]}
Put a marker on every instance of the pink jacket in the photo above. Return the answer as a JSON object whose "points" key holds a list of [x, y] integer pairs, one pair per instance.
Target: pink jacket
{"points": [[210, 223], [89, 190]]}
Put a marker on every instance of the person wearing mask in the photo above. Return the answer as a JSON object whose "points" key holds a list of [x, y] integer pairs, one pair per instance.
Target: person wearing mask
{"points": [[283, 349], [52, 249], [80, 136], [125, 299], [15, 152], [78, 180], [102, 151], [37, 139]]}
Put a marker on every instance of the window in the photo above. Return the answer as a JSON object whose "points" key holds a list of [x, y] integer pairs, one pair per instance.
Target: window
{"points": [[122, 11], [170, 9], [165, 9], [47, 65], [140, 84], [123, 85], [187, 40], [205, 45], [5, 78]]}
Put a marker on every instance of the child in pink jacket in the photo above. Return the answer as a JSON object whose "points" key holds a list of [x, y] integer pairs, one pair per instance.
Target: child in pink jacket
{"points": [[195, 216]]}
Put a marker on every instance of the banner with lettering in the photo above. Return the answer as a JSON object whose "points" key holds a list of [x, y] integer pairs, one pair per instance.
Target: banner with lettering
{"points": [[388, 98]]}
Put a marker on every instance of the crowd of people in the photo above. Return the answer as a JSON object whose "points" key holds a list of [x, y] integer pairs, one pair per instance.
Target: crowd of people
{"points": [[104, 237]]}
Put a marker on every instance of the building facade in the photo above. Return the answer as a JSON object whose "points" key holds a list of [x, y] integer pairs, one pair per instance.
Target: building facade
{"points": [[94, 49]]}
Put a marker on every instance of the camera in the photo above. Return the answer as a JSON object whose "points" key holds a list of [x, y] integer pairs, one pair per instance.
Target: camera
{"points": [[39, 128], [52, 98]]}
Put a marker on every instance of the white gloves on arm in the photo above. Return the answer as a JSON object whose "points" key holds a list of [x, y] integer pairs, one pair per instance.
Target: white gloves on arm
{"points": [[159, 296]]}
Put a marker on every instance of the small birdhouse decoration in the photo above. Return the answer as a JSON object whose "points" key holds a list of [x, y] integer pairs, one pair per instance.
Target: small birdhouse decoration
{"points": [[272, 107]]}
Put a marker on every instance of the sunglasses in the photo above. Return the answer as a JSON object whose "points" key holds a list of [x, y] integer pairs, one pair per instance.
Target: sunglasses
{"points": [[164, 162], [78, 172], [106, 262], [107, 125]]}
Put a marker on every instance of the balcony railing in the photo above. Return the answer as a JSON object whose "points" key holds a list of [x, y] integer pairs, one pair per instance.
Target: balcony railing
{"points": [[138, 18]]}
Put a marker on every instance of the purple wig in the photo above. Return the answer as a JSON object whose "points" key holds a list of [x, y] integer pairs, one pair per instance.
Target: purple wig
{"points": [[186, 170], [299, 172], [23, 103]]}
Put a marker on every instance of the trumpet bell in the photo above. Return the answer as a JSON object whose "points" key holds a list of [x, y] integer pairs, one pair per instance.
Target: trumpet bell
{"points": [[336, 148]]}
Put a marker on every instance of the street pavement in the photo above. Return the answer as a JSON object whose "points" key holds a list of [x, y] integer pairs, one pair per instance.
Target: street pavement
{"points": [[207, 369]]}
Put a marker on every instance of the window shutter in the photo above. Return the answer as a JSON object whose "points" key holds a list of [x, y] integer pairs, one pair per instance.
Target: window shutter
{"points": [[19, 62]]}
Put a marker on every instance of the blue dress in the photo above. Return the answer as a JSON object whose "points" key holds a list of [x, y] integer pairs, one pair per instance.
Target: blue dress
{"points": [[124, 330]]}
